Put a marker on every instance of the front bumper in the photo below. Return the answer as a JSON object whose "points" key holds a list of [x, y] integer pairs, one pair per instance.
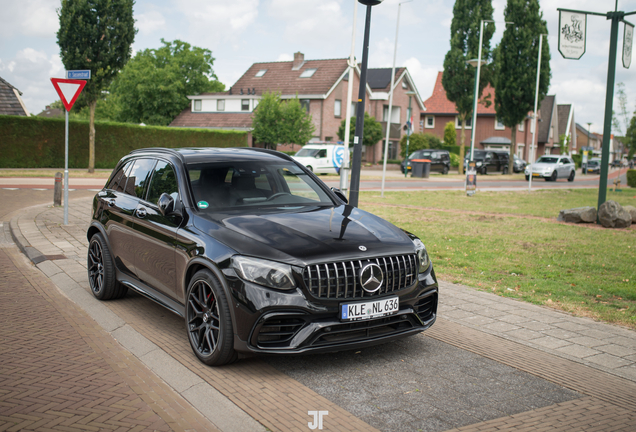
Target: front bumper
{"points": [[295, 322]]}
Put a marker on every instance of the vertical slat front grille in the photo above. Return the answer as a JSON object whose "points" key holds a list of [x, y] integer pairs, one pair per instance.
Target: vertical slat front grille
{"points": [[341, 279]]}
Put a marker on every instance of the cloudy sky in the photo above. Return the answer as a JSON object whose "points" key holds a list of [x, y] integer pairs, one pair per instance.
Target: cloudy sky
{"points": [[241, 32]]}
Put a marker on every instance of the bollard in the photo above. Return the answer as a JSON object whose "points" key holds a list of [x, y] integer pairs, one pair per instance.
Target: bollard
{"points": [[57, 190]]}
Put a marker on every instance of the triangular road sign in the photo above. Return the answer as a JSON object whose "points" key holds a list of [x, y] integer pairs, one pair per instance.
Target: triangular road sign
{"points": [[69, 90]]}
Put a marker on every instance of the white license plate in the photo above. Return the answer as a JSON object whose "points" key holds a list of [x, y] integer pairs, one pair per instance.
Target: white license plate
{"points": [[368, 310]]}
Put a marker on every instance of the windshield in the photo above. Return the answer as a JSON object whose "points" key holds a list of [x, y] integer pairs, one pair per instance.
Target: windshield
{"points": [[307, 152], [236, 185], [593, 162], [548, 159], [477, 154], [420, 154]]}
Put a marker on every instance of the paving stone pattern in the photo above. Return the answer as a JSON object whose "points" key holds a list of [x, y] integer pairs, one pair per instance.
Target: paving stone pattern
{"points": [[60, 371]]}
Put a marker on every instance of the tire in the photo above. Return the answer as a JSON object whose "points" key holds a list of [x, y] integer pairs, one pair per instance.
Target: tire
{"points": [[527, 177], [504, 171], [484, 171], [101, 271], [310, 168], [571, 177], [208, 320], [445, 170], [554, 176]]}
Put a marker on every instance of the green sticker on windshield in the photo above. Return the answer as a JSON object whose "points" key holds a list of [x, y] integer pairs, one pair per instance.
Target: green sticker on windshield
{"points": [[202, 205]]}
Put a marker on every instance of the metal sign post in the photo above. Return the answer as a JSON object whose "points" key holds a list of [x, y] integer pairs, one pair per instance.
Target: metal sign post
{"points": [[68, 90], [572, 46]]}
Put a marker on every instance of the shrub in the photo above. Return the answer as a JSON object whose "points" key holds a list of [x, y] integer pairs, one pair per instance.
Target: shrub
{"points": [[631, 178], [419, 141], [577, 159], [454, 160], [36, 142]]}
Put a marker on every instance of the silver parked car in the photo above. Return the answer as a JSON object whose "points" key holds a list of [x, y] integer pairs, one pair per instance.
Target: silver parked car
{"points": [[552, 167]]}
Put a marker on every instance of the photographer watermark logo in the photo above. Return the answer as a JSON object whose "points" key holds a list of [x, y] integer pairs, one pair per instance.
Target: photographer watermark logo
{"points": [[317, 423]]}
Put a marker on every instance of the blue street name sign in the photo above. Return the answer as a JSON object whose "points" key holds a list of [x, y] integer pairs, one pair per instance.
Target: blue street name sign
{"points": [[78, 74]]}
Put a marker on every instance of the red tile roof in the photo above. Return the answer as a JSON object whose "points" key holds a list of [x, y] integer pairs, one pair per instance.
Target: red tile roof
{"points": [[213, 120], [439, 104], [280, 77]]}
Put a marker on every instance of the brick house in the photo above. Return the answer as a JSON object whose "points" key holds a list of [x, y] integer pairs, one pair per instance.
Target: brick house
{"points": [[491, 134], [321, 87], [10, 101], [585, 138]]}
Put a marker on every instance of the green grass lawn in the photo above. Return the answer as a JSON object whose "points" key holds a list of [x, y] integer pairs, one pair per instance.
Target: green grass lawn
{"points": [[511, 244]]}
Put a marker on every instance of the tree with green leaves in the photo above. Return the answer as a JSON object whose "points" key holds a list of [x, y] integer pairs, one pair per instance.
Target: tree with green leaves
{"points": [[277, 122], [95, 35], [372, 131], [450, 135], [630, 137], [516, 65], [154, 86], [419, 141], [297, 126], [459, 77]]}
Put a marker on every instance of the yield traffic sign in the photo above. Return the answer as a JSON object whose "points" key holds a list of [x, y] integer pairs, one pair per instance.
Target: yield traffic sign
{"points": [[69, 90]]}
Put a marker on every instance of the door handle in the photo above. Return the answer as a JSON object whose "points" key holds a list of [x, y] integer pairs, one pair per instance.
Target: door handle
{"points": [[141, 213], [111, 202]]}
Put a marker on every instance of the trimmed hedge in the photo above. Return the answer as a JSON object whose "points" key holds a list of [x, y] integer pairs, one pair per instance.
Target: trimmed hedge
{"points": [[36, 142], [631, 178]]}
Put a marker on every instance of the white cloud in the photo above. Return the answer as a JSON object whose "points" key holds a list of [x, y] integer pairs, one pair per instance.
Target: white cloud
{"points": [[213, 22], [424, 77], [30, 71], [150, 21], [29, 18]]}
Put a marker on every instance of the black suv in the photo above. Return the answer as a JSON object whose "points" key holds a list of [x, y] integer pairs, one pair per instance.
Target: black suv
{"points": [[487, 160], [256, 253], [440, 160]]}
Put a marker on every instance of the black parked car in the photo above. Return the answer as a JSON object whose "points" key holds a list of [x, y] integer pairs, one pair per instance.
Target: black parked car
{"points": [[440, 160], [488, 161], [256, 253]]}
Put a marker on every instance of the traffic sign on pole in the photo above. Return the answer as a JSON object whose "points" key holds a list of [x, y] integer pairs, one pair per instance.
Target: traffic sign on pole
{"points": [[69, 90]]}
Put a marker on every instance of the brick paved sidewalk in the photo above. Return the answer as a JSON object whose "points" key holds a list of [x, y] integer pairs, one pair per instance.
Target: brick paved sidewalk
{"points": [[595, 359], [59, 370]]}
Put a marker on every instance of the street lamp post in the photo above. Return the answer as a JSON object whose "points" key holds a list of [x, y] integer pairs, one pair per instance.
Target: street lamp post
{"points": [[479, 62], [388, 121], [589, 145], [354, 190], [408, 135], [534, 113]]}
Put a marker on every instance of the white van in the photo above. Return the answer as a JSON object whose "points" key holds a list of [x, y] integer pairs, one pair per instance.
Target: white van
{"points": [[321, 158]]}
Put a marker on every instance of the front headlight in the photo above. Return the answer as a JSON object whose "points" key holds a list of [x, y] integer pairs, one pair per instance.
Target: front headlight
{"points": [[478, 163], [425, 261], [264, 272]]}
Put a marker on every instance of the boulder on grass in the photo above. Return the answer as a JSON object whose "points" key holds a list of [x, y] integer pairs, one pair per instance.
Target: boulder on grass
{"points": [[578, 215], [612, 215], [632, 211]]}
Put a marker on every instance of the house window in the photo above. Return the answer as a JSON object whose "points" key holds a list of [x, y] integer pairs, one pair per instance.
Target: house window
{"points": [[499, 124], [395, 114], [308, 73], [245, 104], [429, 122], [337, 108], [220, 105], [421, 125], [353, 109], [305, 104], [197, 104], [405, 86], [521, 126], [260, 73], [458, 123]]}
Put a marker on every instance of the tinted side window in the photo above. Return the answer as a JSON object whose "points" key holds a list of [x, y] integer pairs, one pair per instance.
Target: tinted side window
{"points": [[163, 180], [118, 181], [139, 177], [322, 153]]}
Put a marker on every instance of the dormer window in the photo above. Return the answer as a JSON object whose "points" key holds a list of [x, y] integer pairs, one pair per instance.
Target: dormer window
{"points": [[197, 104], [308, 73], [260, 73]]}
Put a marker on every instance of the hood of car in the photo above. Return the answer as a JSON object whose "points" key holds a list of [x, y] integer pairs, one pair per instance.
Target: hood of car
{"points": [[308, 236], [543, 166]]}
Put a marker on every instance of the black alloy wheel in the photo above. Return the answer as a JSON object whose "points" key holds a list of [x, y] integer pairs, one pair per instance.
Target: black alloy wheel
{"points": [[554, 176], [101, 271], [571, 177], [445, 170], [208, 321], [504, 170]]}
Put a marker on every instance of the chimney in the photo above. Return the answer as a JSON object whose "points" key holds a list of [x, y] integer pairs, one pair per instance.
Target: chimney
{"points": [[299, 60]]}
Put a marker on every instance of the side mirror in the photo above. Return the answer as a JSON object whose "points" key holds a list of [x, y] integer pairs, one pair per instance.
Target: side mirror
{"points": [[166, 204], [340, 195]]}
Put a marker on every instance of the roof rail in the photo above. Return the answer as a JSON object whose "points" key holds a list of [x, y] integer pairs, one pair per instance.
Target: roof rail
{"points": [[160, 150]]}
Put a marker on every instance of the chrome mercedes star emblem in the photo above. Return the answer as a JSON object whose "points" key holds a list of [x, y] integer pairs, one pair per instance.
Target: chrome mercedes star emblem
{"points": [[371, 277]]}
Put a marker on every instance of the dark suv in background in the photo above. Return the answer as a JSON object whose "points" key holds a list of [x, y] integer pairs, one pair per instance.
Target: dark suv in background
{"points": [[440, 160], [488, 161], [256, 253]]}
